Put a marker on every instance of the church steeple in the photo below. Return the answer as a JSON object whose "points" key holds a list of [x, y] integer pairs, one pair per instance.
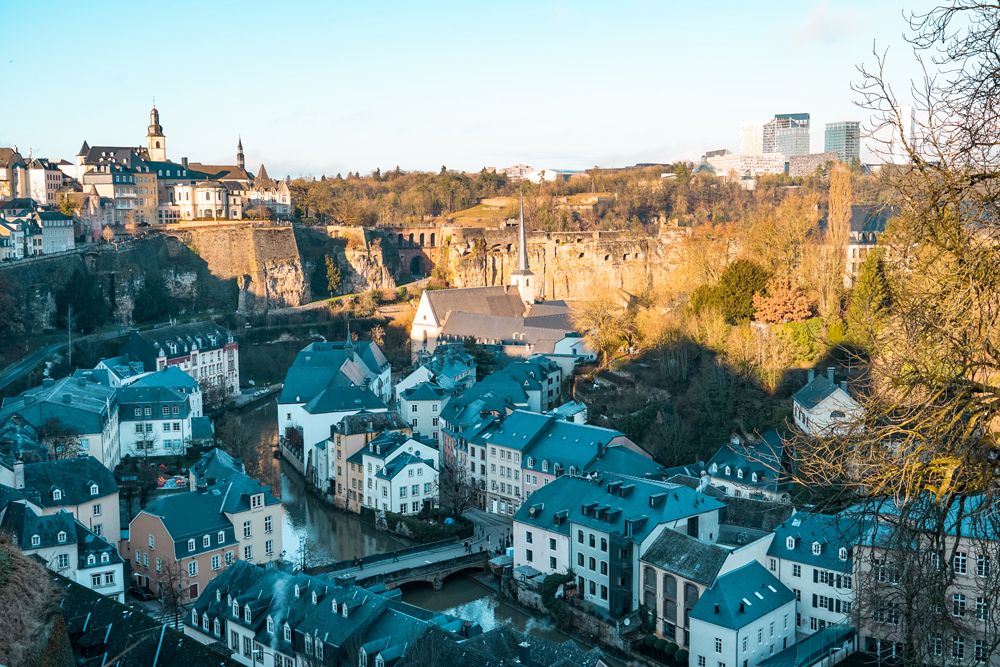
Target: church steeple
{"points": [[522, 276], [156, 142], [239, 154]]}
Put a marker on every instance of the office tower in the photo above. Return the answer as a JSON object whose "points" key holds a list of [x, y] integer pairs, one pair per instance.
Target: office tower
{"points": [[751, 137], [783, 121], [844, 137]]}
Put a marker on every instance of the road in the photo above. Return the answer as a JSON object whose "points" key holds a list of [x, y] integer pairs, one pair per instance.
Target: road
{"points": [[19, 368]]}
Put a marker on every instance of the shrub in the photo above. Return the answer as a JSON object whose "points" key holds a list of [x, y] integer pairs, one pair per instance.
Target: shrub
{"points": [[670, 649], [660, 644], [681, 655], [650, 640]]}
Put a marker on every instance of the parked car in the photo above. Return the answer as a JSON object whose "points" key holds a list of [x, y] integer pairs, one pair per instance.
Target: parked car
{"points": [[140, 594]]}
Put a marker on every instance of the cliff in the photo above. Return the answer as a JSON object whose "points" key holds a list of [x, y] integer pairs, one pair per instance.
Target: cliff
{"points": [[569, 265]]}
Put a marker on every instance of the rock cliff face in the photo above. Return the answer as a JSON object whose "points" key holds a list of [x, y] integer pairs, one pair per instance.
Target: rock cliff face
{"points": [[263, 261], [365, 268], [567, 265]]}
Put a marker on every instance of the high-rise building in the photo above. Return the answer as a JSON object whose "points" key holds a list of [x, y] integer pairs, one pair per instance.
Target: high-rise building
{"points": [[844, 137], [791, 141], [782, 121], [752, 137]]}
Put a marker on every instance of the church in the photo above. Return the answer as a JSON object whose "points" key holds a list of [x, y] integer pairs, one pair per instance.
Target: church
{"points": [[511, 317], [148, 188]]}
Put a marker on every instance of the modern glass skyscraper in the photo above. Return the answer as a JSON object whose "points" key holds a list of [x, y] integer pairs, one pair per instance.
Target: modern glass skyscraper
{"points": [[782, 121], [844, 137]]}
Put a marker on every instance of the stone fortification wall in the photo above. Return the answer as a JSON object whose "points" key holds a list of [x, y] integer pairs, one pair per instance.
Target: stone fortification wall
{"points": [[569, 265], [263, 261]]}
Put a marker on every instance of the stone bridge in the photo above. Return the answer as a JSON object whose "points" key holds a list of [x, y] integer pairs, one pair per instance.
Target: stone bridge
{"points": [[432, 573]]}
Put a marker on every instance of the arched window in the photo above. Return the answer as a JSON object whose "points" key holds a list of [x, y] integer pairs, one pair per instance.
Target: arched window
{"points": [[728, 471], [817, 548], [105, 557], [91, 560], [739, 473], [57, 494], [94, 489], [204, 621], [61, 537], [138, 412], [35, 540], [842, 553], [790, 542], [246, 613], [157, 146], [753, 477]]}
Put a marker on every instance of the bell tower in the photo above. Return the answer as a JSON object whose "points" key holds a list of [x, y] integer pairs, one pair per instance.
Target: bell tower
{"points": [[239, 155], [522, 278], [156, 143]]}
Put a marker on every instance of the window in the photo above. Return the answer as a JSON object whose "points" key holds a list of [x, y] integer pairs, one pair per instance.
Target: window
{"points": [[270, 625], [256, 501], [109, 578], [960, 562], [957, 647], [247, 529], [936, 644], [982, 565], [248, 552], [221, 537], [206, 541], [982, 609], [604, 567], [579, 559], [718, 645], [817, 548], [958, 605], [191, 545], [93, 489], [95, 580], [593, 541], [980, 651], [593, 564], [63, 561], [528, 537], [288, 633], [579, 536], [57, 495], [744, 644], [216, 562], [796, 570], [773, 565], [604, 544], [552, 562], [268, 524], [269, 547], [193, 568], [701, 661], [528, 556]]}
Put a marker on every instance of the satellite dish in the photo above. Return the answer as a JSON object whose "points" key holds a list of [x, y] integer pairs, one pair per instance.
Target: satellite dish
{"points": [[627, 621]]}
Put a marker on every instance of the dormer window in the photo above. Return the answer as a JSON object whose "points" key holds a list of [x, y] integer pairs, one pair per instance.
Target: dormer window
{"points": [[218, 596], [288, 633], [572, 470], [35, 540], [296, 590], [729, 471], [91, 560], [221, 537], [61, 537], [217, 628], [343, 610], [753, 477], [176, 410], [236, 609], [790, 543], [246, 613], [842, 553], [545, 466], [739, 474], [229, 599], [147, 411], [105, 557], [94, 490], [817, 548], [530, 462], [194, 616], [309, 645], [204, 621], [56, 494], [715, 467], [270, 625], [314, 597], [191, 545], [256, 501], [138, 412]]}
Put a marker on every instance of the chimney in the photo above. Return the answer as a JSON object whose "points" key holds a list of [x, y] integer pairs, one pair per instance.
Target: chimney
{"points": [[48, 382], [716, 609], [829, 374], [465, 629], [67, 398], [811, 376], [742, 608], [524, 653], [184, 162], [18, 474]]}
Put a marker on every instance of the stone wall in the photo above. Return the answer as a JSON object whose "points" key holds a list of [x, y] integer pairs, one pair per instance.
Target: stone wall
{"points": [[568, 265], [263, 261]]}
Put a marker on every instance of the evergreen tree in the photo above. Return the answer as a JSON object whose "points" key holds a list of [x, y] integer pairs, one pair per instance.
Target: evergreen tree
{"points": [[83, 294], [737, 286], [332, 275], [870, 299], [153, 302]]}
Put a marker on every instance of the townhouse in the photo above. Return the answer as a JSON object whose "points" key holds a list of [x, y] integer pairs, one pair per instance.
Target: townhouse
{"points": [[421, 406], [751, 468], [66, 547], [349, 436], [824, 408], [76, 406], [154, 421], [450, 368], [600, 527], [204, 350], [400, 473], [540, 378], [80, 486], [182, 542]]}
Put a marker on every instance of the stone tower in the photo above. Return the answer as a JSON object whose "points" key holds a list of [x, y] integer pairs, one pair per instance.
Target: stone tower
{"points": [[239, 155], [156, 143], [522, 278]]}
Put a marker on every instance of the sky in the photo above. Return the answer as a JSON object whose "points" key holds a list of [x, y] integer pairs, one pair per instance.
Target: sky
{"points": [[325, 86]]}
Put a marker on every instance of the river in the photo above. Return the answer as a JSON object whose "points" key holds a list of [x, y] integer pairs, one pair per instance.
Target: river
{"points": [[338, 536]]}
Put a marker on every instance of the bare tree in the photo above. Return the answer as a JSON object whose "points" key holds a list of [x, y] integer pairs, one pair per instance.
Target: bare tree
{"points": [[456, 490], [61, 442], [172, 579]]}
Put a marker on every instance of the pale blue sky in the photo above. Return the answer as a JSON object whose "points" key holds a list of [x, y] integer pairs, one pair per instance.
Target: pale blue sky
{"points": [[322, 86]]}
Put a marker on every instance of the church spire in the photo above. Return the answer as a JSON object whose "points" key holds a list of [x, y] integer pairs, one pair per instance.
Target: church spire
{"points": [[239, 154], [522, 244]]}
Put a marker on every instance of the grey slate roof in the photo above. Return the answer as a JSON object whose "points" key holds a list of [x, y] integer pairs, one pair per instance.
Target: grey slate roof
{"points": [[767, 459], [425, 391], [501, 647], [377, 422], [193, 515], [322, 365], [686, 556], [19, 441], [502, 301], [155, 397], [80, 406], [171, 377], [101, 628], [831, 532], [814, 393], [540, 332], [215, 465], [644, 503], [71, 476], [396, 466], [22, 523], [339, 399], [750, 583]]}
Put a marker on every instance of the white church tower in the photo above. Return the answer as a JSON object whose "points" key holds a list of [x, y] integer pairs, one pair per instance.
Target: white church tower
{"points": [[522, 278]]}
